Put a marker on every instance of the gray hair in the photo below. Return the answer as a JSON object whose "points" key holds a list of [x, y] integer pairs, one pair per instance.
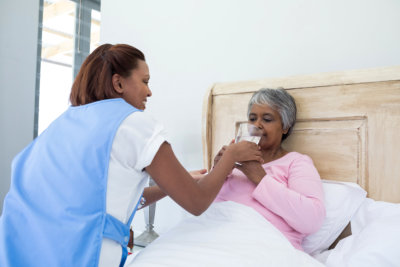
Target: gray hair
{"points": [[279, 100]]}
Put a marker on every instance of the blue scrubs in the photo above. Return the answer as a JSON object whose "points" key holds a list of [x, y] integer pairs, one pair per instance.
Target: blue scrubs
{"points": [[55, 211]]}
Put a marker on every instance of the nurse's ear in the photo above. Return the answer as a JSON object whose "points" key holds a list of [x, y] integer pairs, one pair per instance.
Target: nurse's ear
{"points": [[116, 82]]}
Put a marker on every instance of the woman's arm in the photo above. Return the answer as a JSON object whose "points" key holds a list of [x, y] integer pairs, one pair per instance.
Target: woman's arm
{"points": [[301, 202], [154, 193], [253, 170], [196, 197]]}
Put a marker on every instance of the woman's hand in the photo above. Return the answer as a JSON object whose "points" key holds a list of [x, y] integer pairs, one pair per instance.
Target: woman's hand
{"points": [[240, 149], [253, 170], [198, 174], [221, 152], [219, 155], [244, 151]]}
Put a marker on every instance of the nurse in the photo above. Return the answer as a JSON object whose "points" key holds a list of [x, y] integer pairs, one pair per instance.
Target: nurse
{"points": [[76, 187]]}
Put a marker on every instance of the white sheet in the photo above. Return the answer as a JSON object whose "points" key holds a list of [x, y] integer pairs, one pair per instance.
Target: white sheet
{"points": [[374, 240], [227, 234]]}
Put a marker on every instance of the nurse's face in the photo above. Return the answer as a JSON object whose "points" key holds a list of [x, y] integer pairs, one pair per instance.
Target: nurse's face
{"points": [[135, 88]]}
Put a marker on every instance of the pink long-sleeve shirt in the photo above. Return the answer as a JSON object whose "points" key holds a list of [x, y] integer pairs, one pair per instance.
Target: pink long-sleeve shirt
{"points": [[290, 195]]}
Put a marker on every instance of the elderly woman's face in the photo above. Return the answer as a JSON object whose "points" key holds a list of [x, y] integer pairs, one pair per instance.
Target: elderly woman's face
{"points": [[269, 120]]}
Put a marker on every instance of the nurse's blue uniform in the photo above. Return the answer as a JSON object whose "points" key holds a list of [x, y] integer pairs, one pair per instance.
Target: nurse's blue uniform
{"points": [[55, 211]]}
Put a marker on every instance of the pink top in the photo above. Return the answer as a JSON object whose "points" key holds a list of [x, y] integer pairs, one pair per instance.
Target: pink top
{"points": [[290, 195]]}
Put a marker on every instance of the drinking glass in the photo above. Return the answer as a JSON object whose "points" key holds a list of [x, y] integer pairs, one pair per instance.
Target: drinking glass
{"points": [[247, 132]]}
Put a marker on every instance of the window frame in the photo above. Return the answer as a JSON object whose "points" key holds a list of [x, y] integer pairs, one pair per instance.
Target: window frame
{"points": [[81, 41]]}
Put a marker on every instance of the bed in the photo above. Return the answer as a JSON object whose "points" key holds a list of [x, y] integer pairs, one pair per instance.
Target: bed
{"points": [[348, 123]]}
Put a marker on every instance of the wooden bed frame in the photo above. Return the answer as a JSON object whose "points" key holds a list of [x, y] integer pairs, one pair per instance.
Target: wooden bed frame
{"points": [[347, 122]]}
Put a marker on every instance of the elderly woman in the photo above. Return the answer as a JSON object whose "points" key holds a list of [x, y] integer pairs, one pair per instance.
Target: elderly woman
{"points": [[285, 189]]}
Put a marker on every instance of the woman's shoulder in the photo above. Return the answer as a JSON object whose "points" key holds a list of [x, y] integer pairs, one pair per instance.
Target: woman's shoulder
{"points": [[141, 120], [298, 157], [140, 116], [140, 126]]}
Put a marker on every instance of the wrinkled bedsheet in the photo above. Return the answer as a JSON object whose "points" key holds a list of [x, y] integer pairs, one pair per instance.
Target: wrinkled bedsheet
{"points": [[227, 234]]}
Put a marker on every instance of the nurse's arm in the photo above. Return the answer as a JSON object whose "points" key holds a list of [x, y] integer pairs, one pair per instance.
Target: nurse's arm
{"points": [[196, 197], [154, 193]]}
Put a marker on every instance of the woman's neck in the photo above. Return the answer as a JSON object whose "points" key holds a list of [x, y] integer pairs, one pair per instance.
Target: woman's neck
{"points": [[273, 154]]}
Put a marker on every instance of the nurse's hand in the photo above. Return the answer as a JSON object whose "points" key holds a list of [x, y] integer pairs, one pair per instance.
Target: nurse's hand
{"points": [[219, 155], [221, 152], [244, 151]]}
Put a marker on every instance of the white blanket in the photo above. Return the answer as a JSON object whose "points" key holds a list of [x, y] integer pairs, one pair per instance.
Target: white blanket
{"points": [[227, 234], [374, 240]]}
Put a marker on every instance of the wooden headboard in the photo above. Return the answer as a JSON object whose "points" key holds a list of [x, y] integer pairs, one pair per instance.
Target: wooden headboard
{"points": [[347, 122]]}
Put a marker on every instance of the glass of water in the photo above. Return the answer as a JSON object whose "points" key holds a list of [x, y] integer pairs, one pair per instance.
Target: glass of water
{"points": [[247, 132]]}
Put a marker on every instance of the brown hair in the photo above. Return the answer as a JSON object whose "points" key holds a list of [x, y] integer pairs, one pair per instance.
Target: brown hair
{"points": [[94, 80]]}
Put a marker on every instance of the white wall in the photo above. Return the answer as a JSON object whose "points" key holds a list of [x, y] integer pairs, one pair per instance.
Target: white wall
{"points": [[191, 44], [18, 49]]}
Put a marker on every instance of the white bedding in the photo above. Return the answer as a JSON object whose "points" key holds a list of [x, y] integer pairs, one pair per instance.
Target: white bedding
{"points": [[374, 240], [227, 234]]}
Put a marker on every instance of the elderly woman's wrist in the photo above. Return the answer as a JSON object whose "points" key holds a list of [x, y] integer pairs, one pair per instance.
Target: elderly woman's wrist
{"points": [[259, 178]]}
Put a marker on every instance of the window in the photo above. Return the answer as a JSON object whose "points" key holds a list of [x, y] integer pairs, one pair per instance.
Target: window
{"points": [[70, 30]]}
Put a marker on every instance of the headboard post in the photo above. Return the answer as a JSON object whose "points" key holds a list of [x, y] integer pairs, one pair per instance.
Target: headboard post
{"points": [[207, 128]]}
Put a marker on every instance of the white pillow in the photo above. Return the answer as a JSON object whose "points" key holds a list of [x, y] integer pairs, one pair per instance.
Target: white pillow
{"points": [[374, 240], [342, 199]]}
